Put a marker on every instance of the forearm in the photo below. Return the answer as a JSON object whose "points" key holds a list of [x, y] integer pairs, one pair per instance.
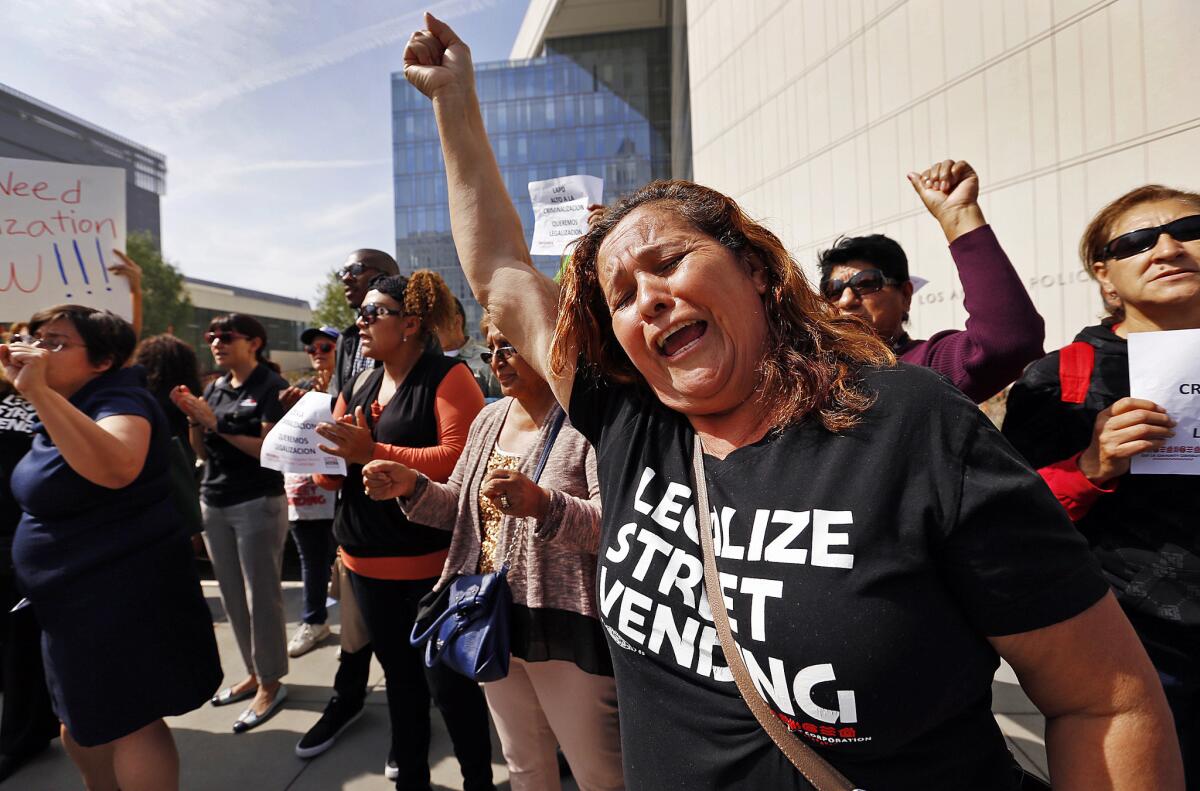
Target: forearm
{"points": [[487, 231], [85, 446], [1133, 749], [432, 503], [196, 438], [251, 446], [1004, 331], [571, 522], [136, 301]]}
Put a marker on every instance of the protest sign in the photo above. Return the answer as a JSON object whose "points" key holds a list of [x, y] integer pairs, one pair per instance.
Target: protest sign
{"points": [[1164, 367], [560, 211], [59, 224], [291, 444]]}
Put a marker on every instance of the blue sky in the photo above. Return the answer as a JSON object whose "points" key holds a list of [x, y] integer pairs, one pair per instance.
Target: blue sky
{"points": [[274, 115]]}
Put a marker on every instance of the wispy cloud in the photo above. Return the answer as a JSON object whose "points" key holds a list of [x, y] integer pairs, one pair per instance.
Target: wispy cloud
{"points": [[352, 214], [333, 51]]}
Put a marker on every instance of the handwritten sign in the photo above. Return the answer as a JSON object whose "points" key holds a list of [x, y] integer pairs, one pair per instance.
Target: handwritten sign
{"points": [[1164, 367], [560, 211], [291, 444], [58, 227]]}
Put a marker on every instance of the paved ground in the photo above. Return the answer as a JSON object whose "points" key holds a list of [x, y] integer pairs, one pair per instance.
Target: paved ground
{"points": [[215, 759]]}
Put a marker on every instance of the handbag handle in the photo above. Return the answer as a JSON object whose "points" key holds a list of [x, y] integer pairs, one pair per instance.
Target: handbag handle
{"points": [[451, 609], [816, 770]]}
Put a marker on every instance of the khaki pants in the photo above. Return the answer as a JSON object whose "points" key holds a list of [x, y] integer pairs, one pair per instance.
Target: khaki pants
{"points": [[353, 636], [539, 704]]}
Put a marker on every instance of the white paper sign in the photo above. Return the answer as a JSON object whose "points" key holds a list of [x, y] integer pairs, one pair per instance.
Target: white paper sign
{"points": [[560, 211], [1164, 367], [58, 227], [291, 444]]}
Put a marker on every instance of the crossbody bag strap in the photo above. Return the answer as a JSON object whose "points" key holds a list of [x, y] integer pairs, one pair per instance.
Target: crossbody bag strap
{"points": [[816, 770], [555, 427]]}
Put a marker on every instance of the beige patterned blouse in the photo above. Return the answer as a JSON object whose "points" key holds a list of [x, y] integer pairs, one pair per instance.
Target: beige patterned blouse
{"points": [[490, 516]]}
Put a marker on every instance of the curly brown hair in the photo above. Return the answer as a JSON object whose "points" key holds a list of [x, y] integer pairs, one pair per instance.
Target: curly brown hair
{"points": [[423, 294], [814, 355]]}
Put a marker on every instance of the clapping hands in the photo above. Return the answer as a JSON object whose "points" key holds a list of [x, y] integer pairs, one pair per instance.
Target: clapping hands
{"points": [[197, 409]]}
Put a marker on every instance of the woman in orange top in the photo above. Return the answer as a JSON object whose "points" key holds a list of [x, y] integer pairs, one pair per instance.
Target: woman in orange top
{"points": [[415, 408]]}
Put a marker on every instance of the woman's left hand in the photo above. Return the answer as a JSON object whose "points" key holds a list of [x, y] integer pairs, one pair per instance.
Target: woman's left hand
{"points": [[352, 436], [515, 494], [24, 366]]}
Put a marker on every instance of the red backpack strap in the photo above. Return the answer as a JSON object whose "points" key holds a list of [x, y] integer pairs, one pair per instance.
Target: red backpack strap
{"points": [[1075, 364]]}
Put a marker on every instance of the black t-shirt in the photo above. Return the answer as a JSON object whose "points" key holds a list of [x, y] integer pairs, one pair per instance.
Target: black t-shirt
{"points": [[863, 571], [72, 526], [231, 476]]}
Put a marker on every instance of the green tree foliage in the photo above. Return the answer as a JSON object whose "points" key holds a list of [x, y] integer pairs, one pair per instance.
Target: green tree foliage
{"points": [[332, 308], [165, 301]]}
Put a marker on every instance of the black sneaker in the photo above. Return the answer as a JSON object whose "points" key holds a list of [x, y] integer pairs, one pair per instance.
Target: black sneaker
{"points": [[390, 770], [338, 717]]}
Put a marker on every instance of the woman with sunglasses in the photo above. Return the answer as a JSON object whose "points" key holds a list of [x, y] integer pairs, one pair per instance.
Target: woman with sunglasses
{"points": [[559, 688], [243, 505], [310, 508], [876, 545], [127, 637], [416, 408], [867, 276], [1072, 417]]}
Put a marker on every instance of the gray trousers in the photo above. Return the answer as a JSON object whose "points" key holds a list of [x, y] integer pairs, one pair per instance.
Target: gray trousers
{"points": [[245, 542]]}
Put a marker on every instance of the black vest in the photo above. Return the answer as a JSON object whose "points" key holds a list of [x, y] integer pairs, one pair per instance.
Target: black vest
{"points": [[372, 528]]}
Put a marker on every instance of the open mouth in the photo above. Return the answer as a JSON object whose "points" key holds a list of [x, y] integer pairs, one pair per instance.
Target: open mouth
{"points": [[681, 338]]}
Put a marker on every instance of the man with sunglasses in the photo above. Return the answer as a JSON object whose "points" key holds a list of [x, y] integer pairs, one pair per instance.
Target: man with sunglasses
{"points": [[361, 267], [867, 276], [350, 683]]}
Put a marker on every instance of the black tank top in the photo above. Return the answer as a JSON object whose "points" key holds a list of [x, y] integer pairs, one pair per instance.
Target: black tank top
{"points": [[373, 528]]}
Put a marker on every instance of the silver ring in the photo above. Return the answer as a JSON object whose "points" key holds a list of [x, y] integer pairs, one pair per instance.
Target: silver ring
{"points": [[504, 506]]}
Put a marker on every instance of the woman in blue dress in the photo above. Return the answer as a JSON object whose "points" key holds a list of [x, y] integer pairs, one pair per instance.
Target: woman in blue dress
{"points": [[101, 553]]}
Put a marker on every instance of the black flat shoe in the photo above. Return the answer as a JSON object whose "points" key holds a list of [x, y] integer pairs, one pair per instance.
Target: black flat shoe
{"points": [[227, 696]]}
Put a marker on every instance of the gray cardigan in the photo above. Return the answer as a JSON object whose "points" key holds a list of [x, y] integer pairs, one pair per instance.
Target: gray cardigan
{"points": [[556, 567]]}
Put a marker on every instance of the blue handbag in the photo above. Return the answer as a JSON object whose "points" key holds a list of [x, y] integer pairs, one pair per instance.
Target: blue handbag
{"points": [[464, 625]]}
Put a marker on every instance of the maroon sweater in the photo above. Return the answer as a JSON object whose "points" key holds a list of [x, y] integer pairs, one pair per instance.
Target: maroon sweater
{"points": [[1004, 330]]}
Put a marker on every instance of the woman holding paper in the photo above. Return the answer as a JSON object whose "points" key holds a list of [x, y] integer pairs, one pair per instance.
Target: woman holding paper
{"points": [[416, 408], [99, 551], [245, 513], [1072, 417]]}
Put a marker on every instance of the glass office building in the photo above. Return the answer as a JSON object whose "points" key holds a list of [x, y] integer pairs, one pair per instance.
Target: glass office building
{"points": [[597, 105]]}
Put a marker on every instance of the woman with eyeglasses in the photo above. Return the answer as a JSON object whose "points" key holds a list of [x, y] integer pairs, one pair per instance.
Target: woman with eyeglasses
{"points": [[559, 688], [867, 276], [310, 508], [1072, 417], [99, 552], [243, 506], [416, 408], [854, 535]]}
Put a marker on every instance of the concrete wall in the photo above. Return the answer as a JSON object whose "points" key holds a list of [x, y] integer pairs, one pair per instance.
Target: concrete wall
{"points": [[809, 112]]}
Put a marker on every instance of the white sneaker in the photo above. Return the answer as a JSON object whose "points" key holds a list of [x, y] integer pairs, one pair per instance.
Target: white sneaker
{"points": [[306, 638]]}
